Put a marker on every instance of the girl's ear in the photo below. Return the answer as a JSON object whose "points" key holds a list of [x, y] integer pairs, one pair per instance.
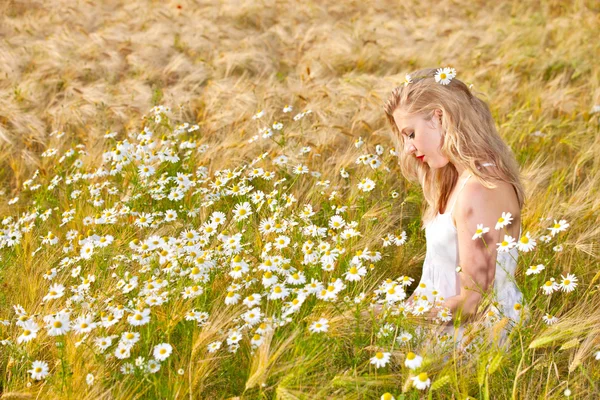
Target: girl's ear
{"points": [[438, 114]]}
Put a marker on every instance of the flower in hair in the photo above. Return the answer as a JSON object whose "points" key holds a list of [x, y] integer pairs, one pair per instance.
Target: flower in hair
{"points": [[407, 79], [445, 75]]}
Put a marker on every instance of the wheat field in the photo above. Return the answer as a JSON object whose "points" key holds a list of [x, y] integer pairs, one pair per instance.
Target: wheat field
{"points": [[202, 199]]}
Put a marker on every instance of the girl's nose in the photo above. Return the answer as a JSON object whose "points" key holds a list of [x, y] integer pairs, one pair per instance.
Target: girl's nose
{"points": [[409, 148]]}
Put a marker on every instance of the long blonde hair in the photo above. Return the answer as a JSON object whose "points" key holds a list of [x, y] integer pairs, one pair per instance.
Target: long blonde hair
{"points": [[470, 139]]}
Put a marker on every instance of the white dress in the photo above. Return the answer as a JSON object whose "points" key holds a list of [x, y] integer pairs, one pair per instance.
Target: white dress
{"points": [[441, 260]]}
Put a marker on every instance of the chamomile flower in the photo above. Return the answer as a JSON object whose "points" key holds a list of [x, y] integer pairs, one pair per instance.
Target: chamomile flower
{"points": [[568, 283], [381, 359], [242, 211], [526, 243], [443, 76], [366, 185], [504, 220], [162, 351], [30, 329], [214, 346], [506, 244], [39, 370], [421, 381], [278, 292], [287, 108], [404, 337], [550, 286], [232, 298], [139, 317], [258, 115], [252, 300], [56, 291], [322, 325], [413, 361], [549, 319], [355, 273], [58, 324], [535, 269], [559, 226], [480, 231]]}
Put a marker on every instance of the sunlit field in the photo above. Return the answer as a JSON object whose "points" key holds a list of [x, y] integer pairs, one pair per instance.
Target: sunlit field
{"points": [[203, 200]]}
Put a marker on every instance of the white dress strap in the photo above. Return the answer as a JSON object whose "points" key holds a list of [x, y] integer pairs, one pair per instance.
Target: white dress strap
{"points": [[457, 193]]}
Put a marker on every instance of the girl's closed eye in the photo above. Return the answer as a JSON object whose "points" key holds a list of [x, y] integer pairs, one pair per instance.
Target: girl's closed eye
{"points": [[412, 135]]}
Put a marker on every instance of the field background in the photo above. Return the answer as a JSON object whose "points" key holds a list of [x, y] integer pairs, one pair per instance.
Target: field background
{"points": [[88, 67]]}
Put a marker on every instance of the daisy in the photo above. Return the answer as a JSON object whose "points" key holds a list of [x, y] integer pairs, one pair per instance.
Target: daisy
{"points": [[535, 269], [355, 273], [287, 108], [281, 242], [568, 283], [232, 298], [253, 316], [30, 329], [322, 325], [503, 221], [145, 171], [545, 238], [139, 317], [550, 286], [480, 231], [87, 250], [144, 220], [280, 160], [258, 115], [170, 215], [526, 243], [56, 291], [279, 292], [597, 355], [413, 361], [507, 244], [444, 314], [407, 79], [269, 279], [84, 324], [387, 396], [366, 185], [242, 211], [300, 169], [404, 337], [256, 340], [214, 346], [558, 248], [129, 338], [123, 351], [421, 381], [336, 222], [58, 324], [443, 76], [162, 351], [559, 226], [39, 370], [381, 359], [549, 319], [252, 300]]}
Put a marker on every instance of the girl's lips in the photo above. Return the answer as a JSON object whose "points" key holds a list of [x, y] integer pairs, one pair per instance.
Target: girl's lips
{"points": [[421, 158]]}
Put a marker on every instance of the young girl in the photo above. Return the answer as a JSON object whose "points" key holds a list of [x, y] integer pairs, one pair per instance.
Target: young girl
{"points": [[447, 141]]}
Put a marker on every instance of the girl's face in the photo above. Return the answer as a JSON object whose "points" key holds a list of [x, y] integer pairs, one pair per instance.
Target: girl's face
{"points": [[422, 137]]}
